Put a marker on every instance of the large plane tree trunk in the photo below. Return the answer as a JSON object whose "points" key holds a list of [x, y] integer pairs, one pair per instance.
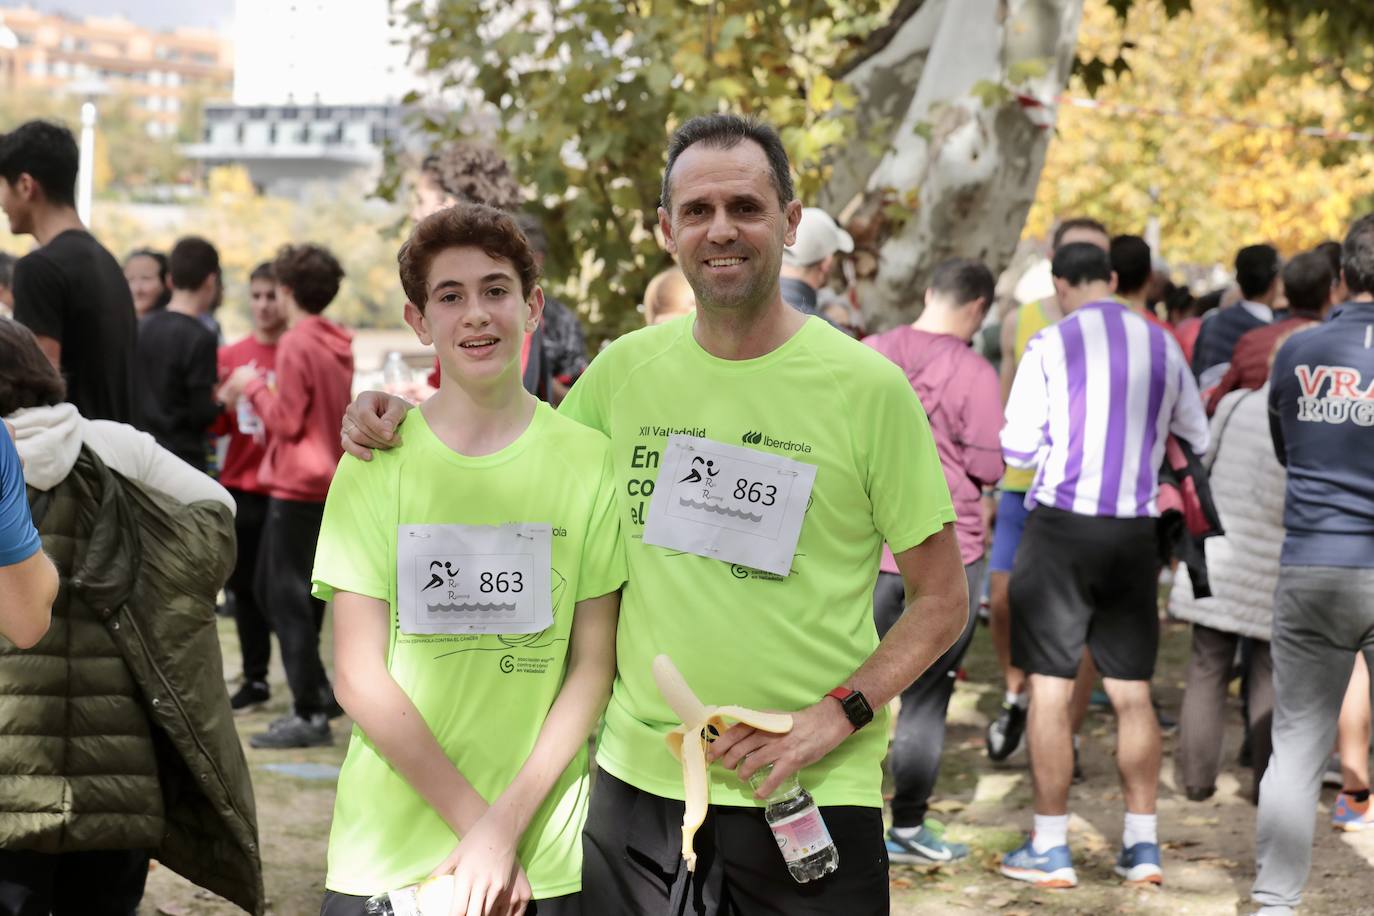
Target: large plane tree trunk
{"points": [[956, 105]]}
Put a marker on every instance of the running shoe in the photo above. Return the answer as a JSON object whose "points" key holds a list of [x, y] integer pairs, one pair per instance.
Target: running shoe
{"points": [[252, 694], [926, 847], [1350, 815], [1005, 732], [1140, 864], [1052, 868], [295, 731]]}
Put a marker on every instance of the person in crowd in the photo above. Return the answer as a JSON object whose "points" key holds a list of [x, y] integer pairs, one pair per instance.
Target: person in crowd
{"points": [[1242, 570], [760, 639], [1307, 284], [964, 399], [120, 709], [1086, 573], [70, 291], [6, 284], [1134, 268], [176, 370], [668, 296], [1319, 400], [301, 414], [1189, 326], [806, 264], [1331, 250], [149, 276], [28, 580], [1005, 732], [565, 345], [1259, 279], [239, 475], [451, 751]]}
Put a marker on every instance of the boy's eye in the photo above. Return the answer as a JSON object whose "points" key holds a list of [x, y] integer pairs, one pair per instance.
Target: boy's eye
{"points": [[496, 292]]}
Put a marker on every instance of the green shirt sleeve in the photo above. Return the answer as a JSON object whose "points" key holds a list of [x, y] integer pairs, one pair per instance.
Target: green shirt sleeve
{"points": [[906, 483], [587, 400], [353, 553], [603, 553]]}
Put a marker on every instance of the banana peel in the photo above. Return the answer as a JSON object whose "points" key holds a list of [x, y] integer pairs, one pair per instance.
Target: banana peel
{"points": [[701, 725]]}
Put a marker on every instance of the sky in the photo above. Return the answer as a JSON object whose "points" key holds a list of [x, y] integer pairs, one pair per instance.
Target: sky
{"points": [[156, 14]]}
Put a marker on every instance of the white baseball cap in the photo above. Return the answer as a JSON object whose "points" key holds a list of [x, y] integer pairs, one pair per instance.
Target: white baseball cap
{"points": [[818, 237]]}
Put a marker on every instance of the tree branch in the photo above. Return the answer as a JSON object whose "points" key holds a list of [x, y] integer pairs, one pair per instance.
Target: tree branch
{"points": [[878, 39]]}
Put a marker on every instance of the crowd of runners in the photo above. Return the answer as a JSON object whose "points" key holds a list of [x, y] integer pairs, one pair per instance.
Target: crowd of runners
{"points": [[803, 518]]}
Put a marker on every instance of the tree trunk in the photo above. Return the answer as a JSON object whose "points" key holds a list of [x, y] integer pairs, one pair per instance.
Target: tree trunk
{"points": [[954, 117]]}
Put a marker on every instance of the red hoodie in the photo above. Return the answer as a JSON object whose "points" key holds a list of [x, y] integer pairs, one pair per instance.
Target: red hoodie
{"points": [[303, 413]]}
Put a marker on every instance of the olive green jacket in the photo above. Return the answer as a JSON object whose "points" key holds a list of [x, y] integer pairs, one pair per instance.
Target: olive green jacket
{"points": [[115, 730]]}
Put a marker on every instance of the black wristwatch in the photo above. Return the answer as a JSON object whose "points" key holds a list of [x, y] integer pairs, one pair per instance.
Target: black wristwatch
{"points": [[855, 706]]}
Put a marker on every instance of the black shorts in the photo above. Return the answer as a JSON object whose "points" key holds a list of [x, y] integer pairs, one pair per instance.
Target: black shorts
{"points": [[1083, 580], [336, 904], [632, 861]]}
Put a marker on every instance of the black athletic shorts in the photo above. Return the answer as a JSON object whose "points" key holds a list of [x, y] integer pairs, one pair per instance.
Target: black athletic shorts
{"points": [[632, 861], [1082, 580]]}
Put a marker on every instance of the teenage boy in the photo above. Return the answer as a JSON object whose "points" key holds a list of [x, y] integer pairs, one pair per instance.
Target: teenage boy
{"points": [[247, 447], [70, 292], [301, 414], [475, 605], [176, 371], [961, 389]]}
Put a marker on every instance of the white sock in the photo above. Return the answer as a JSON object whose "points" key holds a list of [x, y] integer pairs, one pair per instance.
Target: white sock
{"points": [[906, 833], [1140, 828], [1021, 699], [1051, 830]]}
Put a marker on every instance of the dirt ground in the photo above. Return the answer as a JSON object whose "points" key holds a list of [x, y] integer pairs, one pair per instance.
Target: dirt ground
{"points": [[1208, 846]]}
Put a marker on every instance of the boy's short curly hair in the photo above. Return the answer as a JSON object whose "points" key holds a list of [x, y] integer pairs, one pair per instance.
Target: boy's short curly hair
{"points": [[464, 226], [311, 272]]}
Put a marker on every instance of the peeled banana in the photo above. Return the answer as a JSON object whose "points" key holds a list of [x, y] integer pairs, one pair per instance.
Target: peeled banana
{"points": [[700, 726]]}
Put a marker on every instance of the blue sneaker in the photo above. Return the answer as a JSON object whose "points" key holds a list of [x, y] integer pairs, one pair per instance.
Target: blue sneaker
{"points": [[1140, 864], [1348, 814], [1052, 868], [926, 847]]}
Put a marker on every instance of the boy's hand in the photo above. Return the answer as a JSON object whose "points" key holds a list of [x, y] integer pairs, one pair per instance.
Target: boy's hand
{"points": [[488, 879], [370, 422]]}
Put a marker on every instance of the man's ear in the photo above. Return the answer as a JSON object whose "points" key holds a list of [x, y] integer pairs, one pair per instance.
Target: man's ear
{"points": [[416, 319], [792, 213], [665, 226]]}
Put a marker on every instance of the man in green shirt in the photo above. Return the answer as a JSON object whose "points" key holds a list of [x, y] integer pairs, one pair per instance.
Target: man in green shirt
{"points": [[762, 458]]}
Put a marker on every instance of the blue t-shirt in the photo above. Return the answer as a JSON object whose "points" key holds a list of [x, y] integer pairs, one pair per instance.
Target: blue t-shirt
{"points": [[1321, 415], [18, 538]]}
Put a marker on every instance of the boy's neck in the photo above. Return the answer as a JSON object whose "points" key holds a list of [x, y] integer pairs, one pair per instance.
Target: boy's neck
{"points": [[50, 222], [477, 420]]}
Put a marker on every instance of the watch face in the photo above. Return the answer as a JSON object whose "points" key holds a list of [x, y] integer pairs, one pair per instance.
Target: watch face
{"points": [[857, 709]]}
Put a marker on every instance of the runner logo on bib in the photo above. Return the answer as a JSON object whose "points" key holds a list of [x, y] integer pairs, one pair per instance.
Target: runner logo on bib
{"points": [[473, 578], [728, 503]]}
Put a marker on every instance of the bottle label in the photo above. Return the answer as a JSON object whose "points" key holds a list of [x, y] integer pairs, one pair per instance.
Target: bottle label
{"points": [[801, 835], [404, 902]]}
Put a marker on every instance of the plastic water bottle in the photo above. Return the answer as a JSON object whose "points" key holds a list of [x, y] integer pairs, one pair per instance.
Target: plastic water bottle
{"points": [[250, 424], [395, 373], [799, 829], [428, 898]]}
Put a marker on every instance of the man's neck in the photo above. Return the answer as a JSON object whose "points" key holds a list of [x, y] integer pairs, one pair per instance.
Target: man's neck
{"points": [[268, 338], [740, 334], [1136, 300], [186, 302], [935, 320], [50, 222], [476, 419]]}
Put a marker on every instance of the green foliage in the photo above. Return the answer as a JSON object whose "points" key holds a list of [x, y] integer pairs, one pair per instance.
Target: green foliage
{"points": [[585, 94]]}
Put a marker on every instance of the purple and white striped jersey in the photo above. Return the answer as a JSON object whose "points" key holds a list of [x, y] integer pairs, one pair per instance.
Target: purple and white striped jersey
{"points": [[1095, 398]]}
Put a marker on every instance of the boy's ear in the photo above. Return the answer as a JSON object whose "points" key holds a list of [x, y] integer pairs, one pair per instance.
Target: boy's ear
{"points": [[416, 319], [536, 307]]}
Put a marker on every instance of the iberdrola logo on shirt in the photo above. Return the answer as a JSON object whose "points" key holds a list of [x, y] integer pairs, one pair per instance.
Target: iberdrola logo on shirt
{"points": [[753, 437]]}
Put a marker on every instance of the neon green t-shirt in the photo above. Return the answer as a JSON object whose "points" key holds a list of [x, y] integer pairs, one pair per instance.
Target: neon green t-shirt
{"points": [[485, 697], [739, 635]]}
